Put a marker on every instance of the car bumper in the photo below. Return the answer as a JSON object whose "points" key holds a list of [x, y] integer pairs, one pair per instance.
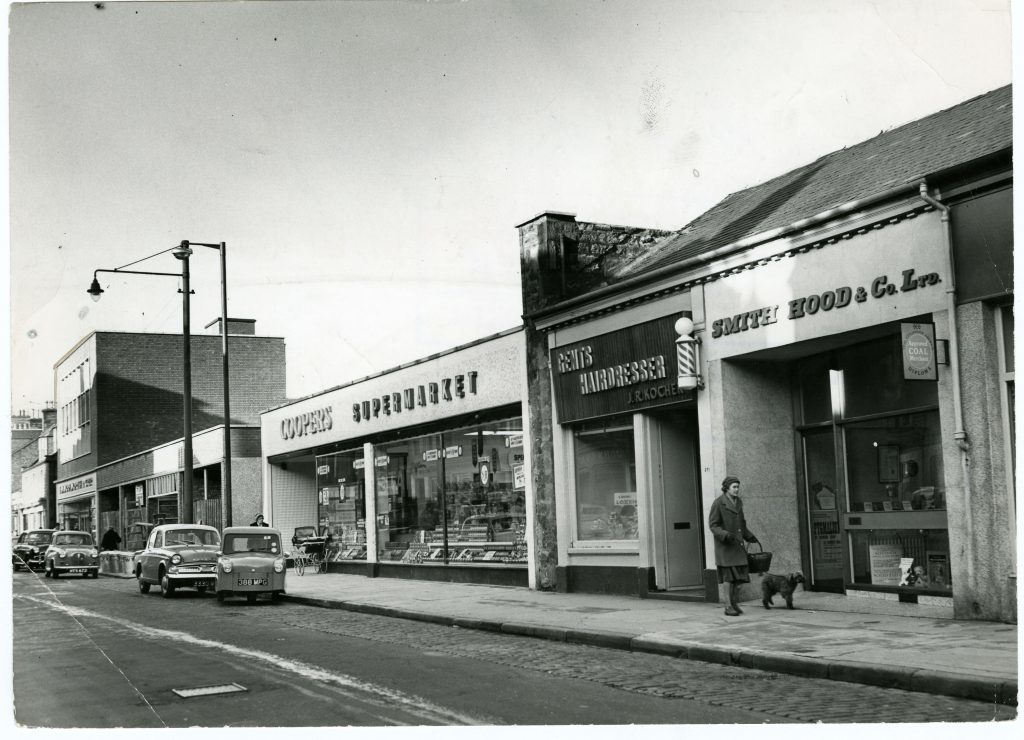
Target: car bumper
{"points": [[58, 568], [248, 583], [192, 580], [32, 562]]}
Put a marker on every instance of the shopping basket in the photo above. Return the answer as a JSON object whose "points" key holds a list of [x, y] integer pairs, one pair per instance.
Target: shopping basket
{"points": [[759, 562]]}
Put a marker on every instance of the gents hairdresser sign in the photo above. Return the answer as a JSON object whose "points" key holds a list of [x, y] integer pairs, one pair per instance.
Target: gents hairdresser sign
{"points": [[621, 371], [881, 276]]}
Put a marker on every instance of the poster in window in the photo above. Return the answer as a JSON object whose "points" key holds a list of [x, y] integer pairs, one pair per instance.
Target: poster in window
{"points": [[888, 463], [938, 569], [885, 564]]}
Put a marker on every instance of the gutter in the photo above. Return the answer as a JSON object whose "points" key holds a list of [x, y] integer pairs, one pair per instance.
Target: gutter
{"points": [[960, 434], [724, 251]]}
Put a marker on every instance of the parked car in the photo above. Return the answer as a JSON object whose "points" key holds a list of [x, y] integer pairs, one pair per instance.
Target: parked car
{"points": [[178, 556], [252, 562], [71, 551], [29, 549]]}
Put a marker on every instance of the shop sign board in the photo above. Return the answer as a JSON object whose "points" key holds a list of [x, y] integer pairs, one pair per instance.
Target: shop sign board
{"points": [[70, 490], [519, 476], [874, 278], [480, 376], [621, 371], [919, 358]]}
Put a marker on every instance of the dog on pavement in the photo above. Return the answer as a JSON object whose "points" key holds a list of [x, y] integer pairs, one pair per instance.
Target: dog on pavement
{"points": [[772, 584]]}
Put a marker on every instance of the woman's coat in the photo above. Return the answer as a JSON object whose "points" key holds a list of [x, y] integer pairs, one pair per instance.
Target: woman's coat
{"points": [[728, 519]]}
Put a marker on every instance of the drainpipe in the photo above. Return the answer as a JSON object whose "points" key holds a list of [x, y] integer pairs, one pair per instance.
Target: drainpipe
{"points": [[960, 435]]}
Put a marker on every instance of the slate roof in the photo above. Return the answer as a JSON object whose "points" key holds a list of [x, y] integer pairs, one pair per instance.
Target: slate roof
{"points": [[966, 132]]}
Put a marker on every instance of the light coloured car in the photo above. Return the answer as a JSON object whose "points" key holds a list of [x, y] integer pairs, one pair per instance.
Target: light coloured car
{"points": [[179, 556], [71, 551], [252, 562]]}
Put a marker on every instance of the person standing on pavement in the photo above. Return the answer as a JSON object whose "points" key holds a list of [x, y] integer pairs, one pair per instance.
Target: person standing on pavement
{"points": [[259, 522], [729, 527], [111, 540]]}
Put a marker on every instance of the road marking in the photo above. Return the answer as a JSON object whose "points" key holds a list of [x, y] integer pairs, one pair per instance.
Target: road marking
{"points": [[378, 694]]}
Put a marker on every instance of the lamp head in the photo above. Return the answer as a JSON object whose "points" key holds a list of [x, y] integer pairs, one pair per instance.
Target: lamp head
{"points": [[182, 251], [95, 290]]}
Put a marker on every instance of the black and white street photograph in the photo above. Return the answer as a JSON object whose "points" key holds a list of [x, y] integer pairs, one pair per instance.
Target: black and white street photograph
{"points": [[536, 368]]}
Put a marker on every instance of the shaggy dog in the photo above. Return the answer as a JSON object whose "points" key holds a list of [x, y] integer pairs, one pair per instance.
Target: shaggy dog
{"points": [[772, 584]]}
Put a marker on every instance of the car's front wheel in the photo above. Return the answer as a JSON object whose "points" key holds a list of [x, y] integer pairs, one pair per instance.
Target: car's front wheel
{"points": [[220, 597], [166, 587], [143, 587], [53, 571]]}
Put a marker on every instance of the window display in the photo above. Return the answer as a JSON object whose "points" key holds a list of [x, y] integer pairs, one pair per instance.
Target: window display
{"points": [[908, 558], [456, 498], [341, 486], [605, 480], [875, 482]]}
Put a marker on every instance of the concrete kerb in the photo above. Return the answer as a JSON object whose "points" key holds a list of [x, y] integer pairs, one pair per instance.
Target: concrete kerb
{"points": [[930, 682]]}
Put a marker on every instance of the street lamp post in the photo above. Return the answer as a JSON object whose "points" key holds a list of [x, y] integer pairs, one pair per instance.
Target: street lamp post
{"points": [[226, 482], [182, 252]]}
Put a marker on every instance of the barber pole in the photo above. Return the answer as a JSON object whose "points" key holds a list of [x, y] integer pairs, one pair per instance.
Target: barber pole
{"points": [[687, 356]]}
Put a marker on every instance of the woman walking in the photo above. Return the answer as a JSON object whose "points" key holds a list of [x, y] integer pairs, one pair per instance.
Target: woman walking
{"points": [[729, 527]]}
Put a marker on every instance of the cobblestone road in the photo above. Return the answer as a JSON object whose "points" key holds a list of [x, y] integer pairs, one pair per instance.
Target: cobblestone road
{"points": [[791, 698]]}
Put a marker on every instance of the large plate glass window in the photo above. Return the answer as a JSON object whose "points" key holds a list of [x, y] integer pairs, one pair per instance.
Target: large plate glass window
{"points": [[341, 504], [485, 488], [874, 476], [605, 465]]}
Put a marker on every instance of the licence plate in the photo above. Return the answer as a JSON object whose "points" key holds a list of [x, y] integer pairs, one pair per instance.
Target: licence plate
{"points": [[252, 581], [78, 570]]}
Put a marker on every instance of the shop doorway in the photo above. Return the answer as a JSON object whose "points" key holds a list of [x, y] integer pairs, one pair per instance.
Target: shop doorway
{"points": [[679, 468]]}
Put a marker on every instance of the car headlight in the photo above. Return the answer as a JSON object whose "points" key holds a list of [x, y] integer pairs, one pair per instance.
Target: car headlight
{"points": [[175, 559], [279, 565], [225, 565], [60, 553]]}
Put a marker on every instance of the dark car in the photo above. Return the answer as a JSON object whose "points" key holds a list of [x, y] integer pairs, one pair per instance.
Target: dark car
{"points": [[179, 556], [30, 547], [252, 562], [72, 552]]}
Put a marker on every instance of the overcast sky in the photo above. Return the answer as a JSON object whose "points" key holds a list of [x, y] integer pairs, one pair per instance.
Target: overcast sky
{"points": [[367, 162]]}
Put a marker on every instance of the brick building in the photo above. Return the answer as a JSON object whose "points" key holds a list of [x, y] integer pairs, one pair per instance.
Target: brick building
{"points": [[32, 470], [120, 425]]}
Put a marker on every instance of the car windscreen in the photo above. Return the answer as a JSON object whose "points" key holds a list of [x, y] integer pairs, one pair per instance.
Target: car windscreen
{"points": [[191, 537], [77, 538], [236, 543], [39, 538]]}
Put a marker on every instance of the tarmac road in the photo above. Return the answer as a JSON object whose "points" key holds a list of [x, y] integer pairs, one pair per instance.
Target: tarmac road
{"points": [[91, 653]]}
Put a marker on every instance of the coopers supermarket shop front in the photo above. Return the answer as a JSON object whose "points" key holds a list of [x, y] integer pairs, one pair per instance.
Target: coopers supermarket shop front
{"points": [[418, 472]]}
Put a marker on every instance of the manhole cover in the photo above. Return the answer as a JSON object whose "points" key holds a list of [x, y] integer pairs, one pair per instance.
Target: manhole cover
{"points": [[226, 688]]}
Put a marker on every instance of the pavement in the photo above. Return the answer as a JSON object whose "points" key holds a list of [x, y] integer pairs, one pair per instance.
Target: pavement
{"points": [[864, 640]]}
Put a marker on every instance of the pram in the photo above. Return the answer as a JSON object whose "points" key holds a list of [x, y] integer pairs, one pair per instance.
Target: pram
{"points": [[311, 550]]}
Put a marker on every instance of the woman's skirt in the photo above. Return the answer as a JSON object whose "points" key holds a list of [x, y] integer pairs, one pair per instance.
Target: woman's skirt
{"points": [[733, 574]]}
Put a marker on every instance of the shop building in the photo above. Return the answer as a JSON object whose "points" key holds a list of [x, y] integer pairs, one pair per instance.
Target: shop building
{"points": [[847, 352], [120, 421], [33, 503], [417, 472]]}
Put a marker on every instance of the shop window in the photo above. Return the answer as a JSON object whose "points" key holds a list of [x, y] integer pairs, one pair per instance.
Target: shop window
{"points": [[875, 483], [895, 463], [456, 498], [408, 481], [874, 379], [484, 494], [341, 504], [605, 463], [914, 559]]}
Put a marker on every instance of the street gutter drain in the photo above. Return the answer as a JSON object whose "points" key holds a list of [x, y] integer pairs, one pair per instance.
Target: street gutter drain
{"points": [[226, 688]]}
